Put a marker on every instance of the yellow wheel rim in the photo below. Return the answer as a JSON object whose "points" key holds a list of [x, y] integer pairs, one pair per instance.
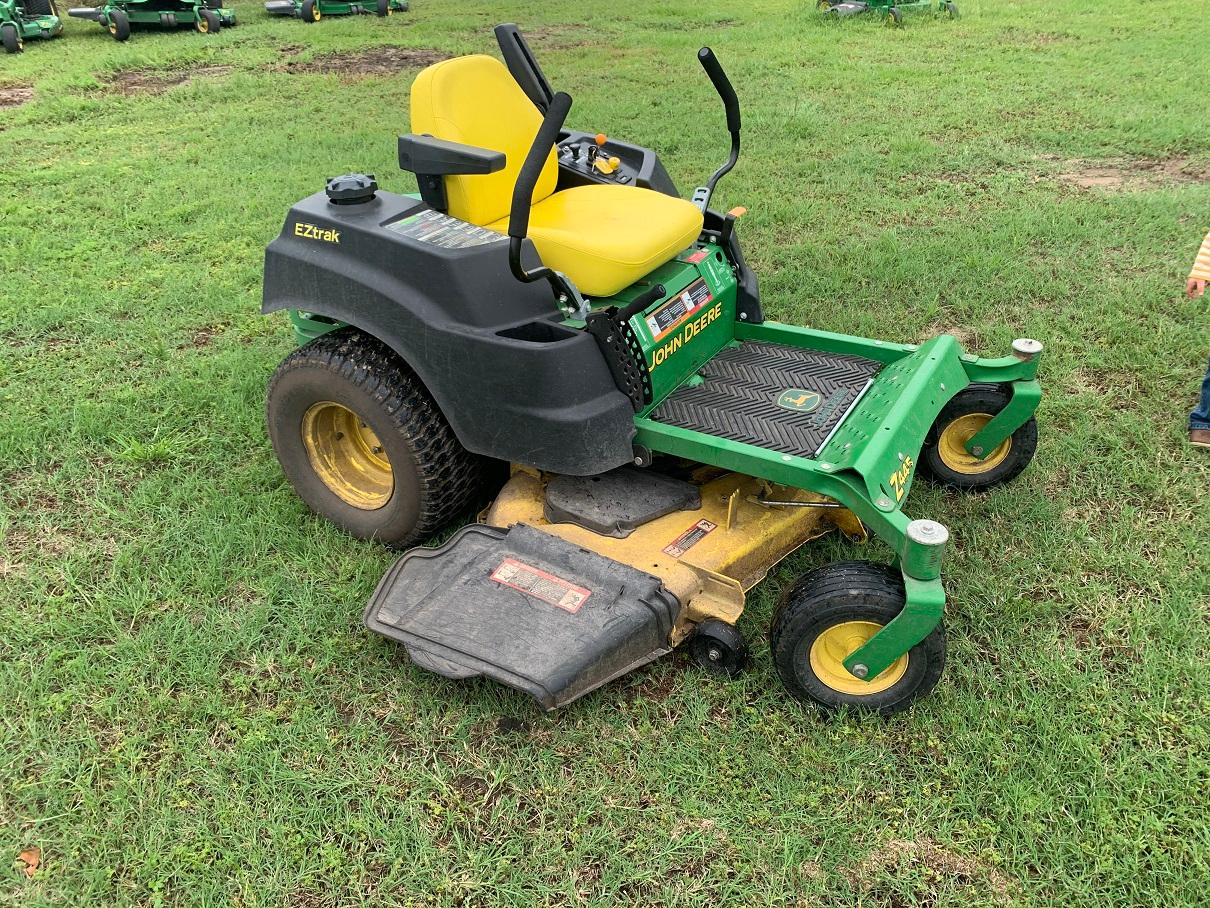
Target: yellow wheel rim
{"points": [[317, 15], [203, 26], [347, 456], [836, 644], [113, 29], [951, 446], [822, 4]]}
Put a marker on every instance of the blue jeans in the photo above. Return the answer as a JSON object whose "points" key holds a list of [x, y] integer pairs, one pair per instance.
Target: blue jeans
{"points": [[1200, 417]]}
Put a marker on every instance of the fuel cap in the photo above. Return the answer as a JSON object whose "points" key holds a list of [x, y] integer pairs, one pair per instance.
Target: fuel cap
{"points": [[351, 188]]}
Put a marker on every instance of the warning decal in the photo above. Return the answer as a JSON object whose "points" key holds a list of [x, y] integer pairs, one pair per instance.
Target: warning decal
{"points": [[680, 307], [689, 538], [537, 583], [439, 229]]}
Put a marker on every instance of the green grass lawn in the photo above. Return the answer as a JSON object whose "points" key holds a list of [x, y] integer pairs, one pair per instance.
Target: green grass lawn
{"points": [[191, 711]]}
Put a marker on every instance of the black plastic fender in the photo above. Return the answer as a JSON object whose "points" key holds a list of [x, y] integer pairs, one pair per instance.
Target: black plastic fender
{"points": [[514, 383]]}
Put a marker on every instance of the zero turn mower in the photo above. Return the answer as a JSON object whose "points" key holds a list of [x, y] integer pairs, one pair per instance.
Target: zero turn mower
{"points": [[117, 16], [314, 10], [548, 300], [21, 19], [891, 10]]}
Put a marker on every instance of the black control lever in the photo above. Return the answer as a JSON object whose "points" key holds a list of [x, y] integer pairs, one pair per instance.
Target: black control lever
{"points": [[714, 69], [523, 197], [524, 66], [641, 302]]}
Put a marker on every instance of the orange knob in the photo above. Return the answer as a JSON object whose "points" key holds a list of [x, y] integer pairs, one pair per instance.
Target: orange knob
{"points": [[600, 140]]}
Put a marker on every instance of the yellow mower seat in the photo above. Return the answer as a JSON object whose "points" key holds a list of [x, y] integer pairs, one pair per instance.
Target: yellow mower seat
{"points": [[603, 237]]}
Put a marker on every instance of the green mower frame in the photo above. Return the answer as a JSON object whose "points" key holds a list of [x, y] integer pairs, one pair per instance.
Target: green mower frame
{"points": [[891, 10], [117, 16], [314, 10], [22, 19], [811, 426]]}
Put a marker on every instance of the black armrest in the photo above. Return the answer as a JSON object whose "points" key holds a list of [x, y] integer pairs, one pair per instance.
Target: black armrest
{"points": [[431, 159], [437, 157]]}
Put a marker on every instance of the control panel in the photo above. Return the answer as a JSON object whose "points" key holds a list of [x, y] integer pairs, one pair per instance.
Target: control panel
{"points": [[588, 158]]}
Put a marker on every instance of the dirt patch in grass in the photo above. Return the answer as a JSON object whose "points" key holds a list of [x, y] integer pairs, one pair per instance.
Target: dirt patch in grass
{"points": [[936, 866], [1132, 174], [156, 81], [15, 95], [374, 61]]}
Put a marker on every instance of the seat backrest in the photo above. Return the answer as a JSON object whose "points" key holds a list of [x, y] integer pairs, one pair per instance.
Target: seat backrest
{"points": [[475, 101]]}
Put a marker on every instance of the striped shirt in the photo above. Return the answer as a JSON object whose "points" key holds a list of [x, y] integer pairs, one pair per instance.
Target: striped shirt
{"points": [[1201, 265]]}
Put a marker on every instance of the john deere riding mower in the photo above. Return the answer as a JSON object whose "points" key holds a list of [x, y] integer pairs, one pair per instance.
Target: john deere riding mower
{"points": [[314, 10], [117, 16], [890, 10], [549, 301], [21, 19]]}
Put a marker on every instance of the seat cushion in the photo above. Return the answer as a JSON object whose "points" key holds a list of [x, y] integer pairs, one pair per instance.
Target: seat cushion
{"points": [[606, 237], [474, 100]]}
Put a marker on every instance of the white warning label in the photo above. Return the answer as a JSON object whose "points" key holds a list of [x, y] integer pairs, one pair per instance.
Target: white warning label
{"points": [[541, 585]]}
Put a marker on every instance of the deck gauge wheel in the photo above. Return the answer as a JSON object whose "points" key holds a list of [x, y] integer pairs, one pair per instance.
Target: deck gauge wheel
{"points": [[719, 648]]}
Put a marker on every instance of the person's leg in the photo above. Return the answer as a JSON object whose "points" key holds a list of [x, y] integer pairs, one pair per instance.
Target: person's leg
{"points": [[1199, 419]]}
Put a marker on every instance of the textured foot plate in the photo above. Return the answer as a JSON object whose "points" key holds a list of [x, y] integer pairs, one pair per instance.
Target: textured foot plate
{"points": [[773, 396]]}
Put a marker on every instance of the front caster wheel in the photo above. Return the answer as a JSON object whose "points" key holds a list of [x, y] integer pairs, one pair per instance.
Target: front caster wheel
{"points": [[719, 648], [119, 25], [310, 11], [950, 9], [944, 458], [11, 39], [364, 444], [826, 616], [208, 22], [894, 18], [384, 8]]}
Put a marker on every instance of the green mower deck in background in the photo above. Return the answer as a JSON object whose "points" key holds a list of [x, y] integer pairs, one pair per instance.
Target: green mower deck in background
{"points": [[891, 10], [22, 19], [314, 10], [117, 16], [669, 444]]}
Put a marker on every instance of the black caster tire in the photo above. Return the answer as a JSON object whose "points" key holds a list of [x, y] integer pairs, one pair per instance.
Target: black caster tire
{"points": [[363, 443], [951, 9], [119, 25], [384, 8], [894, 18], [826, 616], [719, 648], [208, 22], [944, 460], [310, 11], [11, 39]]}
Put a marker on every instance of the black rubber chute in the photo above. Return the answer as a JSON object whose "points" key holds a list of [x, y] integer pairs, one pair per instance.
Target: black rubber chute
{"points": [[531, 170]]}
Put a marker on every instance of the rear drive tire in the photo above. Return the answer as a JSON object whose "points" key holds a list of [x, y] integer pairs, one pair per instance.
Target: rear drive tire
{"points": [[11, 39], [208, 22], [826, 616], [119, 25], [310, 11], [364, 444], [943, 459]]}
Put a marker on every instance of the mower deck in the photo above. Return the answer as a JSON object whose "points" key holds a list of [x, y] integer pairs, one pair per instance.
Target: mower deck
{"points": [[773, 396], [556, 609]]}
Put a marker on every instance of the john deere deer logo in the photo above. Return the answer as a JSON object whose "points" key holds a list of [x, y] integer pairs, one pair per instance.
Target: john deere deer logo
{"points": [[799, 401]]}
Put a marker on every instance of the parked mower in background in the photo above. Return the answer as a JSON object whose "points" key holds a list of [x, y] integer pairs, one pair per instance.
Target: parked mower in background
{"points": [[21, 19], [549, 301], [314, 10], [891, 10], [117, 16]]}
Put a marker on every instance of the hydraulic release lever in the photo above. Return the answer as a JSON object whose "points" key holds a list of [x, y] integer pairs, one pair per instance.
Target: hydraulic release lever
{"points": [[714, 69]]}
